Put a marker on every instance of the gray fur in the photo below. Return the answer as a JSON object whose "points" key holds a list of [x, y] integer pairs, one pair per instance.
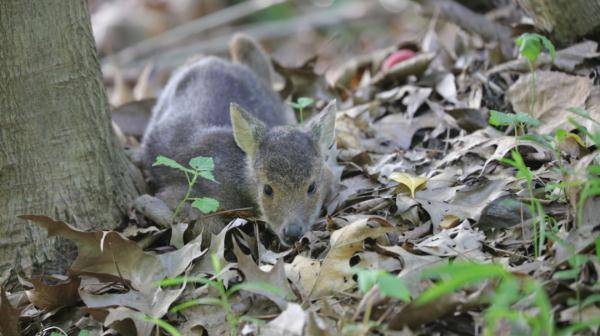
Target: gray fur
{"points": [[193, 118]]}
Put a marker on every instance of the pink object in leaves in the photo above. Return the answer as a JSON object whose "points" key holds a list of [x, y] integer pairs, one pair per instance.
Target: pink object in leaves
{"points": [[397, 57]]}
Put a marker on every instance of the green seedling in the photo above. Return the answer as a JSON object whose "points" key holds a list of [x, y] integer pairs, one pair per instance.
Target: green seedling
{"points": [[535, 206], [224, 299], [510, 290], [301, 104], [199, 167], [530, 47]]}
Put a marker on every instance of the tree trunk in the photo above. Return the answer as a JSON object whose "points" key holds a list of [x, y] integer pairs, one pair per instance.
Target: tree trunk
{"points": [[58, 154], [566, 19]]}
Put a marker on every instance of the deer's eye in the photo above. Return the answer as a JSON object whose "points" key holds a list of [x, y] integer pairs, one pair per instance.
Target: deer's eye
{"points": [[268, 190], [311, 188]]}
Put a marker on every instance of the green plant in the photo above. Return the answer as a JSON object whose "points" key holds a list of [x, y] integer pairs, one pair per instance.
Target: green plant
{"points": [[509, 290], [199, 167], [535, 206], [517, 120], [301, 104], [530, 47], [163, 324], [389, 285], [224, 294]]}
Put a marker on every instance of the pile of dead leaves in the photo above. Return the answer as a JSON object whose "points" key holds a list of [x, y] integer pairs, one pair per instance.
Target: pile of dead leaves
{"points": [[424, 183]]}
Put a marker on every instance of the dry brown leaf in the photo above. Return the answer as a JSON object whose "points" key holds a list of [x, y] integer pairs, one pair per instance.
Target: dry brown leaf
{"points": [[460, 201], [555, 93], [461, 241], [9, 317], [335, 273], [50, 297], [275, 277], [413, 183], [110, 254], [291, 322], [399, 130]]}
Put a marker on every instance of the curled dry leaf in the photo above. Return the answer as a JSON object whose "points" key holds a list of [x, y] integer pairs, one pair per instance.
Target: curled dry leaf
{"points": [[50, 297], [334, 273]]}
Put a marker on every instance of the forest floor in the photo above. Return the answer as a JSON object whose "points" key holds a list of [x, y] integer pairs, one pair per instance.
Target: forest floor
{"points": [[467, 204]]}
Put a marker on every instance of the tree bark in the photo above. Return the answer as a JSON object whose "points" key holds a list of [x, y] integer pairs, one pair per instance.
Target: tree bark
{"points": [[566, 19], [58, 154]]}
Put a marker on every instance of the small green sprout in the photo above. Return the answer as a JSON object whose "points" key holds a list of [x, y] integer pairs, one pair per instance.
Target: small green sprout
{"points": [[224, 294], [530, 47], [301, 104], [199, 167]]}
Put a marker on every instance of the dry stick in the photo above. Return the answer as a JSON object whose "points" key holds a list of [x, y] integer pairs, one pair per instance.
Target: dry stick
{"points": [[468, 20], [191, 29], [261, 31]]}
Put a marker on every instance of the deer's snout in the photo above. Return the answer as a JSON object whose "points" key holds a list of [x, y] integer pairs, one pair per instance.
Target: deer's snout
{"points": [[292, 232]]}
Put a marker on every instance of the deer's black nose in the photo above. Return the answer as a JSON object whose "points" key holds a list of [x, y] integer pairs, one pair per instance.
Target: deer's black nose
{"points": [[292, 233]]}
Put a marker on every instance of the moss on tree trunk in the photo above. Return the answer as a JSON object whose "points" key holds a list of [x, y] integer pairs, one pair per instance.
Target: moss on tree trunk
{"points": [[58, 154]]}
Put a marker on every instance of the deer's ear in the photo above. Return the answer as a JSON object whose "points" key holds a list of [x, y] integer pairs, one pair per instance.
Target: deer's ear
{"points": [[322, 126], [247, 130]]}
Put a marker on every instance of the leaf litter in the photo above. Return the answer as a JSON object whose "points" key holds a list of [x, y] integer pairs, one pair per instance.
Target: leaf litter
{"points": [[423, 183]]}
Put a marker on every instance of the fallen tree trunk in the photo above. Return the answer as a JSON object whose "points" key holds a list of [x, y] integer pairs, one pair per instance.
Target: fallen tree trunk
{"points": [[567, 20]]}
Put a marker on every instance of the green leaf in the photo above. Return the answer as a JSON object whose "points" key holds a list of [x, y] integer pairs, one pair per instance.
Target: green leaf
{"points": [[163, 324], [498, 118], [392, 286], [530, 46], [207, 174], [367, 279], [196, 302], [459, 275], [183, 279], [84, 333], [304, 102], [549, 47], [165, 161], [206, 204], [568, 274], [202, 163]]}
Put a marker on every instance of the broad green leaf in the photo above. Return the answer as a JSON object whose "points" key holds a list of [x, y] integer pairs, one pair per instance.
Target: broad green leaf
{"points": [[202, 163], [165, 161], [529, 47], [304, 102], [84, 333], [392, 286], [206, 204], [367, 279], [207, 174]]}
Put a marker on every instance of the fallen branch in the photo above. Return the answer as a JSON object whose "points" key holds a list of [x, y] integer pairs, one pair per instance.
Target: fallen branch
{"points": [[467, 19], [190, 29], [261, 31]]}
